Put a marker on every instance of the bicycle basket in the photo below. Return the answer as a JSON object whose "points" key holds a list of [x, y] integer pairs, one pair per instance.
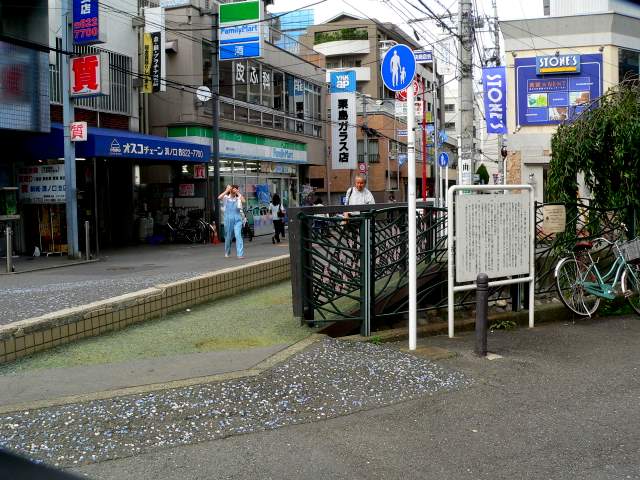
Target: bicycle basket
{"points": [[631, 250]]}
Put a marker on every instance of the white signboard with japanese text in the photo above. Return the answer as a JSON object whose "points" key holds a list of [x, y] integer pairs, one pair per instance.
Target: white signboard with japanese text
{"points": [[42, 184], [492, 235], [78, 131], [155, 57], [344, 147]]}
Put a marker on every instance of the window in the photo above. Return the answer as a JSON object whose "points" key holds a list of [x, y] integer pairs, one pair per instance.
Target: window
{"points": [[317, 183], [449, 125], [333, 63], [278, 90], [225, 80], [207, 58], [449, 107], [628, 64]]}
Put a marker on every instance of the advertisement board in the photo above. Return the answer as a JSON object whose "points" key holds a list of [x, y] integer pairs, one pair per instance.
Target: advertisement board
{"points": [[240, 32], [343, 120], [42, 184], [550, 99]]}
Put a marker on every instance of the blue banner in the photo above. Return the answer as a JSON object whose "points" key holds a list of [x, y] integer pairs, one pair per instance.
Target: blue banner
{"points": [[86, 22], [552, 99], [343, 81], [494, 81]]}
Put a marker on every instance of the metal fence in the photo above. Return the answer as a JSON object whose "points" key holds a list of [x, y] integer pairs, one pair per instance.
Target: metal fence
{"points": [[356, 268]]}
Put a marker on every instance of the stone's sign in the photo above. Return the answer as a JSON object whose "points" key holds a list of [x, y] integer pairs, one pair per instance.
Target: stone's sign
{"points": [[494, 81], [554, 219], [558, 64], [240, 32], [558, 96], [492, 235]]}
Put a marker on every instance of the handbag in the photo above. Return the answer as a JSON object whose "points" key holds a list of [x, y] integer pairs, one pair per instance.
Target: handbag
{"points": [[280, 212]]}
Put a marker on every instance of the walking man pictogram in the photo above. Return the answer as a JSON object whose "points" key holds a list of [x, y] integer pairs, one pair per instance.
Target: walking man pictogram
{"points": [[394, 64]]}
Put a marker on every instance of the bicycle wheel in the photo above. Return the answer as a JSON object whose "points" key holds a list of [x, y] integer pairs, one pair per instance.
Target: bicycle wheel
{"points": [[631, 286], [570, 275]]}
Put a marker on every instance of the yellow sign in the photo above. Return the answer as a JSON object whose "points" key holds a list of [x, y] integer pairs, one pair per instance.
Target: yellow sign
{"points": [[147, 84]]}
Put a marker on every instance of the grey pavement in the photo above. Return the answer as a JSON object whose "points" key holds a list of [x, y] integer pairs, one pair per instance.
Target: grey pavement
{"points": [[563, 402], [53, 383], [119, 272]]}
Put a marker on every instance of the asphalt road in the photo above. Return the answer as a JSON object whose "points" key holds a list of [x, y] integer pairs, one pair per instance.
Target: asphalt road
{"points": [[35, 293], [562, 403]]}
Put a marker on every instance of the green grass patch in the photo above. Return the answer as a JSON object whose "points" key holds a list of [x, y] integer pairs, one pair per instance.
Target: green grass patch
{"points": [[256, 318]]}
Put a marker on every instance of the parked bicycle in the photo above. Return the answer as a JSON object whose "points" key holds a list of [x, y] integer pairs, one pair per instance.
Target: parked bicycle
{"points": [[581, 286], [190, 227]]}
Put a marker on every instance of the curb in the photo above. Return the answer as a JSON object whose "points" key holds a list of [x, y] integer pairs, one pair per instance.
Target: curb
{"points": [[256, 370], [544, 314]]}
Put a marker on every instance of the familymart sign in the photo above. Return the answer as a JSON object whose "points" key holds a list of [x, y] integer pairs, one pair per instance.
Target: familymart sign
{"points": [[240, 32]]}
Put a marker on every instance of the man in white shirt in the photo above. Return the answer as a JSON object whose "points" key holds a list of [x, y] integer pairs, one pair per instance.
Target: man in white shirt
{"points": [[359, 195]]}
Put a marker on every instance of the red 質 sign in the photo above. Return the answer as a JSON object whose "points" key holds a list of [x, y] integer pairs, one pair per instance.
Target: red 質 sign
{"points": [[89, 75]]}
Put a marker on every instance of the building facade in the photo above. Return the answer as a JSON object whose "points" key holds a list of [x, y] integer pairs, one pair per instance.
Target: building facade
{"points": [[352, 43], [578, 58], [271, 116]]}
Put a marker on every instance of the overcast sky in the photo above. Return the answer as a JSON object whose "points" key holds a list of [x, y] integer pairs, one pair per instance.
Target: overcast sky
{"points": [[507, 9]]}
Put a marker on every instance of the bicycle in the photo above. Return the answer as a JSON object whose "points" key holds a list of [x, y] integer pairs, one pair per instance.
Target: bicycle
{"points": [[581, 286]]}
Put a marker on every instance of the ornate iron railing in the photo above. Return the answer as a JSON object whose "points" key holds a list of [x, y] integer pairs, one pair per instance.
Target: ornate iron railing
{"points": [[356, 268]]}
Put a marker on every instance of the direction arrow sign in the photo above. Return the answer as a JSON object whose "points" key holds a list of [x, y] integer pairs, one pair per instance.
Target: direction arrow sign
{"points": [[398, 67]]}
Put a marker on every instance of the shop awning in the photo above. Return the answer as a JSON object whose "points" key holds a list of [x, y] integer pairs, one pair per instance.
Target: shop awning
{"points": [[109, 143]]}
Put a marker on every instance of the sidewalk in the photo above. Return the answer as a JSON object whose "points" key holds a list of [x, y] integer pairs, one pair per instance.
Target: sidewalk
{"points": [[119, 272], [560, 403]]}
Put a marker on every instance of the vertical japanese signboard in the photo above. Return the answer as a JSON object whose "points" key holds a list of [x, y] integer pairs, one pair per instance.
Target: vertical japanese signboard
{"points": [[154, 53], [240, 32], [494, 82], [86, 23], [343, 120]]}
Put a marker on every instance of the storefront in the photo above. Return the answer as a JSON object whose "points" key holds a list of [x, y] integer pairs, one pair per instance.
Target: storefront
{"points": [[122, 177], [261, 166]]}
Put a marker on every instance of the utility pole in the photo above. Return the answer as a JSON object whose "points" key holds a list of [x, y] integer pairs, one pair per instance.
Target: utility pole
{"points": [[215, 125], [496, 40], [365, 138], [465, 87], [71, 203]]}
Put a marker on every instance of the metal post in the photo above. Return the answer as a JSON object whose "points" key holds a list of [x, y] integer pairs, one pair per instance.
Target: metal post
{"points": [[365, 139], [441, 192], [411, 207], [482, 305], [9, 238], [365, 276], [69, 147], [424, 140], [215, 126], [465, 58], [87, 240]]}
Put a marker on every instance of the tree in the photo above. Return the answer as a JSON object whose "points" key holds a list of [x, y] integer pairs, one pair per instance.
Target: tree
{"points": [[604, 144], [483, 174]]}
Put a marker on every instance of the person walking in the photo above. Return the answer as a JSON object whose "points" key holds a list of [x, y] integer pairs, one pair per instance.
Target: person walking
{"points": [[233, 218], [277, 214]]}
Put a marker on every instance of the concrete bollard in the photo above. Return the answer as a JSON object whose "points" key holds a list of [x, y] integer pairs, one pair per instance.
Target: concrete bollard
{"points": [[9, 236], [482, 306], [87, 240]]}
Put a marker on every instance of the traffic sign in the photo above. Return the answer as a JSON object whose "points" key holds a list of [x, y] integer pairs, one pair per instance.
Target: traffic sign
{"points": [[443, 136], [398, 67], [362, 168], [423, 56], [443, 159], [402, 94]]}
